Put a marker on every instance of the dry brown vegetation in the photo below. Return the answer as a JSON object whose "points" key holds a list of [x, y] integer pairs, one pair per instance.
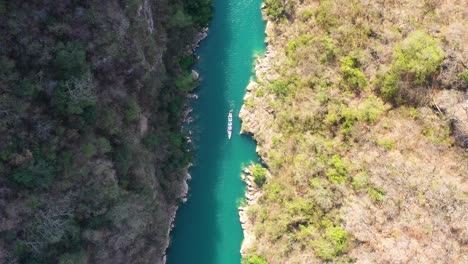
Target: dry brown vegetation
{"points": [[367, 161]]}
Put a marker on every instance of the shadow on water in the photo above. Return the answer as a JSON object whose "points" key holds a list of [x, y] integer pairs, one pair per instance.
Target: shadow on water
{"points": [[197, 229]]}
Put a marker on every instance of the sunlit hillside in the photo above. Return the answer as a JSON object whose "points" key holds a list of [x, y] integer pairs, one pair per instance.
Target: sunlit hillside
{"points": [[360, 113]]}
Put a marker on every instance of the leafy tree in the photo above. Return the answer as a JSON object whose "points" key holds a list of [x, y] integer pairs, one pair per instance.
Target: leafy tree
{"points": [[418, 56], [353, 76], [360, 181], [38, 174], [89, 150], [26, 88], [277, 9], [280, 88], [150, 140], [180, 19], [200, 10], [73, 258], [333, 243], [463, 76], [188, 61], [389, 88], [254, 259], [123, 157], [73, 96], [70, 60], [376, 194], [108, 121], [133, 110], [338, 172], [370, 109], [103, 146], [259, 173], [185, 82], [2, 7], [324, 15]]}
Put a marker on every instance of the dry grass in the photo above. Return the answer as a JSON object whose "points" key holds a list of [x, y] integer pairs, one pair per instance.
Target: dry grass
{"points": [[403, 199]]}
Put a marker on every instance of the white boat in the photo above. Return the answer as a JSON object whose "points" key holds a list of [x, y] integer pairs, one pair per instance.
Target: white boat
{"points": [[229, 127]]}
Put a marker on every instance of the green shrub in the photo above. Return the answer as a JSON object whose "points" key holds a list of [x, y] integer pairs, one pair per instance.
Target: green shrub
{"points": [[360, 181], [39, 174], [90, 114], [70, 60], [133, 110], [73, 258], [2, 7], [27, 88], [103, 146], [65, 162], [323, 249], [272, 192], [376, 194], [108, 120], [89, 150], [150, 140], [338, 237], [333, 243], [413, 113], [338, 172], [306, 15], [260, 92], [122, 160], [277, 9], [73, 96], [180, 19], [327, 49], [177, 140], [353, 76], [324, 17], [185, 82], [8, 235], [280, 88], [348, 118], [419, 55], [187, 61], [200, 10], [386, 143], [259, 173], [298, 42], [370, 109], [389, 87], [464, 78], [253, 259]]}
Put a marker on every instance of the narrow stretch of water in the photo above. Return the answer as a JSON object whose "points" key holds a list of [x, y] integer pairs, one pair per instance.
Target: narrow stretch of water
{"points": [[208, 230]]}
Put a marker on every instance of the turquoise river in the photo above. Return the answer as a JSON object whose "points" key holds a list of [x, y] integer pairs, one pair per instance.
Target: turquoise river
{"points": [[207, 229]]}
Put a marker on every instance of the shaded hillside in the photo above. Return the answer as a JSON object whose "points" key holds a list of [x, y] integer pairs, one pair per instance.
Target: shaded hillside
{"points": [[360, 113], [92, 159]]}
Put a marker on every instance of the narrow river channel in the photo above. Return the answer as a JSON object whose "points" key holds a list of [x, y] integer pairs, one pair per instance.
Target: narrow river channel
{"points": [[208, 230]]}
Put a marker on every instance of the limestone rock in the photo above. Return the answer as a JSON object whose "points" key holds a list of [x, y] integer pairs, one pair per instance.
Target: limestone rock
{"points": [[195, 75], [455, 105]]}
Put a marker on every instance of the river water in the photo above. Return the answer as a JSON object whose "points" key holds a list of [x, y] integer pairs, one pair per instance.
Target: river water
{"points": [[208, 230]]}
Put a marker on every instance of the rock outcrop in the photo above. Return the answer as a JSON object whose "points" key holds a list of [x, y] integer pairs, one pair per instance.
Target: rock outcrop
{"points": [[455, 105], [252, 194]]}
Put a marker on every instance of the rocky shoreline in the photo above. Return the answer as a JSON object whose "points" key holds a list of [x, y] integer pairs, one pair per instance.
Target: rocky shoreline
{"points": [[187, 119], [252, 127], [252, 194]]}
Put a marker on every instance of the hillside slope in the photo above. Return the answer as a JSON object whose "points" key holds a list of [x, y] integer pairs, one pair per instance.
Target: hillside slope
{"points": [[360, 113], [92, 157]]}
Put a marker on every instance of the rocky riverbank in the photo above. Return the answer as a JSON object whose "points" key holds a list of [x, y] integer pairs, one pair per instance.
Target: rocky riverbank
{"points": [[250, 125], [187, 119], [252, 194]]}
